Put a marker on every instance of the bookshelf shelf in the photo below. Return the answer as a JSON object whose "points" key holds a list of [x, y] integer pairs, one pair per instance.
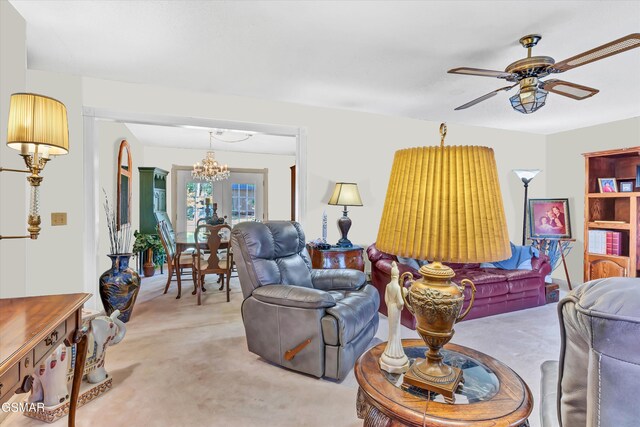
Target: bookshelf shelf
{"points": [[610, 225], [616, 257], [611, 214], [613, 195]]}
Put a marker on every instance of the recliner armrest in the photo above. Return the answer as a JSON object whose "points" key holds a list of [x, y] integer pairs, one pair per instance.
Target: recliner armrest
{"points": [[331, 280], [549, 394], [294, 296]]}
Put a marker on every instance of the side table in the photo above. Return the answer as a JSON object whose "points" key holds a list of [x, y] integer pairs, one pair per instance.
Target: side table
{"points": [[336, 257], [492, 394]]}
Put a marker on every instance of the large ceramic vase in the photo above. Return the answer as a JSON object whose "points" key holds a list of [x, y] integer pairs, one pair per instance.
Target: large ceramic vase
{"points": [[119, 287]]}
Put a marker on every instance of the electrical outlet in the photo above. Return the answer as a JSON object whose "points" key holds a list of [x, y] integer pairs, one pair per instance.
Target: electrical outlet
{"points": [[58, 218]]}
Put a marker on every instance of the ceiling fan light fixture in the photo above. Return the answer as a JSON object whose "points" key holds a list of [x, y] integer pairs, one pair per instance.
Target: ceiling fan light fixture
{"points": [[531, 103]]}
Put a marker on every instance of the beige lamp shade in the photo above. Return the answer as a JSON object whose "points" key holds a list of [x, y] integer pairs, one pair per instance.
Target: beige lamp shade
{"points": [[346, 194], [444, 204], [36, 120]]}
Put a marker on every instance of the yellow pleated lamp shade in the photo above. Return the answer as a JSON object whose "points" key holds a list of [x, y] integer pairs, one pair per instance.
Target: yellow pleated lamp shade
{"points": [[36, 120], [444, 204]]}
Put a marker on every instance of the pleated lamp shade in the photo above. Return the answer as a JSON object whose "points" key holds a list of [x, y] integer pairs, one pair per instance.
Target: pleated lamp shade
{"points": [[444, 204], [36, 120]]}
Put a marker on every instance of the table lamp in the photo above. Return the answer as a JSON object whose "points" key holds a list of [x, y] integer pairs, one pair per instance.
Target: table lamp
{"points": [[345, 194], [38, 128], [442, 204], [525, 175]]}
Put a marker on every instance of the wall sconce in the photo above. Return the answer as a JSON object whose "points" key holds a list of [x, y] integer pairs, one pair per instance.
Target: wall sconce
{"points": [[38, 128]]}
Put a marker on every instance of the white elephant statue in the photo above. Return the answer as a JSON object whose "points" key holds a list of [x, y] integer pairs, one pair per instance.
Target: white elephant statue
{"points": [[105, 331], [51, 379]]}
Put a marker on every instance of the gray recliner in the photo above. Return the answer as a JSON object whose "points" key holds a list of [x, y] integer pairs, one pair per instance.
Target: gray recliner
{"points": [[287, 303], [597, 381]]}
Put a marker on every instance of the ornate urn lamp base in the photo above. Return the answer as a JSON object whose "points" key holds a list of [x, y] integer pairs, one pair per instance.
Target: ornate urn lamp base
{"points": [[436, 301]]}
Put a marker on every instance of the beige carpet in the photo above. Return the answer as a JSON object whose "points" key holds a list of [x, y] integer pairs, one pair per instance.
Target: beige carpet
{"points": [[184, 365]]}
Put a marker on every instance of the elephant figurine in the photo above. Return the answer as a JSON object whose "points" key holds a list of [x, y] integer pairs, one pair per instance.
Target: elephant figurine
{"points": [[50, 382], [50, 378], [105, 331]]}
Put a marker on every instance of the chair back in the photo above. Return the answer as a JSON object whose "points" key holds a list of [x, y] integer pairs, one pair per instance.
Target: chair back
{"points": [[599, 369], [162, 216], [271, 252], [214, 235], [167, 244]]}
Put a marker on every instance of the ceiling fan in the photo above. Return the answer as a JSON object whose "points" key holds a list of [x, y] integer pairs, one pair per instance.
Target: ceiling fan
{"points": [[527, 73]]}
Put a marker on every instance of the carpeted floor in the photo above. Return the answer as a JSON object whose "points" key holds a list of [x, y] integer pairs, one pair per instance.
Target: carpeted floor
{"points": [[184, 365]]}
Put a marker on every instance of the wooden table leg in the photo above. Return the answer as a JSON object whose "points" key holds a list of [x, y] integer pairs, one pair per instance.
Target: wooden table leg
{"points": [[178, 277], [199, 287], [81, 341]]}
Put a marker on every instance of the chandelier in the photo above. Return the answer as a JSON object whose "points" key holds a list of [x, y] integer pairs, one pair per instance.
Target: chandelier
{"points": [[210, 169]]}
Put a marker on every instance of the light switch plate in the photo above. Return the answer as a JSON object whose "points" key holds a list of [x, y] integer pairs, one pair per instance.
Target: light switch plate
{"points": [[58, 218]]}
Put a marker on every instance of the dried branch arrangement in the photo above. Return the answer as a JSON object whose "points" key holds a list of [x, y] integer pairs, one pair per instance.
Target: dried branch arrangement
{"points": [[119, 240]]}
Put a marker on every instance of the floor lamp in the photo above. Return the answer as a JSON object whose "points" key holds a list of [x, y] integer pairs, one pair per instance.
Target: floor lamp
{"points": [[526, 175]]}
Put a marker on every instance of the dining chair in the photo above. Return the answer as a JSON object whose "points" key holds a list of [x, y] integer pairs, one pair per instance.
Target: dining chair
{"points": [[214, 258], [175, 262]]}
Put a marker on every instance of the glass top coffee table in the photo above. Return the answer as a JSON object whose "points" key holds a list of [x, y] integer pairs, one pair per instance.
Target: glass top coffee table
{"points": [[492, 394]]}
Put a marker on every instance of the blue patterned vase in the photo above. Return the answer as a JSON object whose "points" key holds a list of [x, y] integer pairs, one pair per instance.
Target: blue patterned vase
{"points": [[119, 287]]}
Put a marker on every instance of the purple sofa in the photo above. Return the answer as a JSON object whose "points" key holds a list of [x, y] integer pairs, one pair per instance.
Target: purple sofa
{"points": [[498, 291]]}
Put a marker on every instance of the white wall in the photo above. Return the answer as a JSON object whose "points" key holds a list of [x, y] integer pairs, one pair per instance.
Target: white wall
{"points": [[566, 173], [54, 261], [341, 145], [110, 134], [279, 173], [13, 208]]}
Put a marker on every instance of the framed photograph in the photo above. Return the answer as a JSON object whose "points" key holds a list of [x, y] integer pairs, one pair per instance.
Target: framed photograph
{"points": [[638, 176], [626, 186], [549, 218], [608, 185]]}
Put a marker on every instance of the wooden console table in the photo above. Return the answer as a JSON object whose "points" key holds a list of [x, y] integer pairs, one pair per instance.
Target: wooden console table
{"points": [[336, 257], [30, 329]]}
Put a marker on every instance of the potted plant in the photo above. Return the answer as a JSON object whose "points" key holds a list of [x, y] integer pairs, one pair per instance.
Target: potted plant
{"points": [[151, 244], [120, 284]]}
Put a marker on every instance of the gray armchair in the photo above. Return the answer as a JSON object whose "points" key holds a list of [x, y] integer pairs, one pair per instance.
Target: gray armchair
{"points": [[313, 321], [597, 381]]}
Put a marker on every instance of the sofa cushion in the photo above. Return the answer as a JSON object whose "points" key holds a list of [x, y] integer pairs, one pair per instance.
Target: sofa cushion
{"points": [[460, 266], [512, 275], [350, 315], [478, 277], [487, 290]]}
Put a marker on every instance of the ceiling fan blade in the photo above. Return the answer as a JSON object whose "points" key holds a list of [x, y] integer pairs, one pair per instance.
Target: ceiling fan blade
{"points": [[620, 45], [480, 72], [568, 89], [483, 98]]}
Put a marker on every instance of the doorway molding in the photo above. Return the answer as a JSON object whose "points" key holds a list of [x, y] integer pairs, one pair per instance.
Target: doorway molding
{"points": [[91, 172]]}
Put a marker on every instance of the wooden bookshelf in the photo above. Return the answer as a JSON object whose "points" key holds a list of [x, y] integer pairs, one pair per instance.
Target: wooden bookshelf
{"points": [[612, 211]]}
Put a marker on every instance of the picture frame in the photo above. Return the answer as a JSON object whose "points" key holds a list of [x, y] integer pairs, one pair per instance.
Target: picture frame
{"points": [[626, 186], [549, 219], [608, 185], [638, 176]]}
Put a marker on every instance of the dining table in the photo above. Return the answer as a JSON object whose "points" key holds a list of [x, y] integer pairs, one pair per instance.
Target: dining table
{"points": [[186, 240]]}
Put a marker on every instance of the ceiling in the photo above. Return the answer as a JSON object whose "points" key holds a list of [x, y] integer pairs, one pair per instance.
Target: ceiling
{"points": [[198, 138], [381, 57]]}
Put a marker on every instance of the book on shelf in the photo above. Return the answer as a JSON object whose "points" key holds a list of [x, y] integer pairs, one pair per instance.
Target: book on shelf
{"points": [[605, 242]]}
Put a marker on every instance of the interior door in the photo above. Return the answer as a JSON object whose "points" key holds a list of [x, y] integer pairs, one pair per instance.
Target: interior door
{"points": [[243, 197], [239, 198], [192, 197]]}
